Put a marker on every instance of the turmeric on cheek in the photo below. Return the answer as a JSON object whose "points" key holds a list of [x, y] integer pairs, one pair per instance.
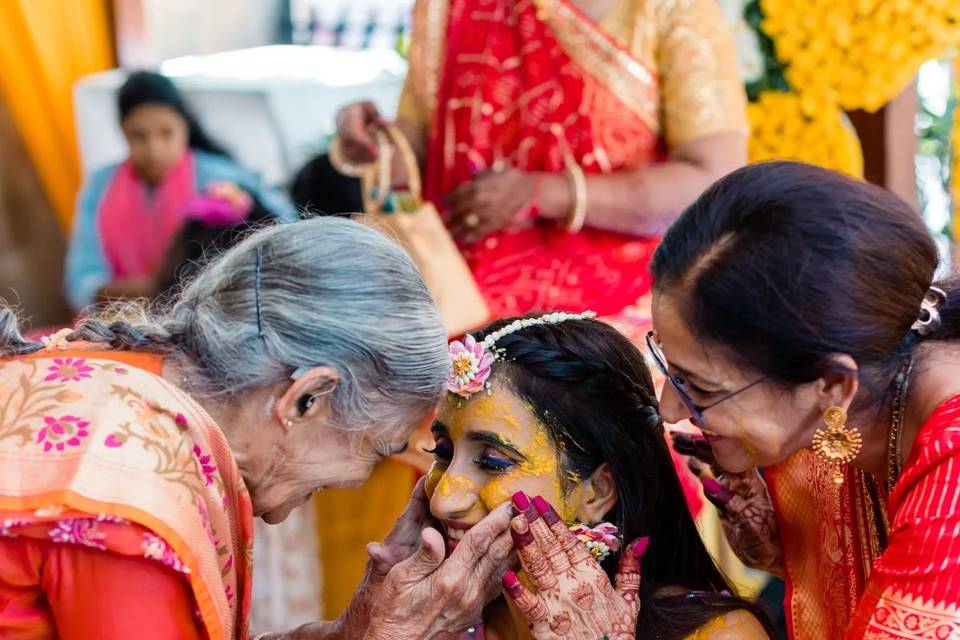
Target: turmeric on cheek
{"points": [[494, 494]]}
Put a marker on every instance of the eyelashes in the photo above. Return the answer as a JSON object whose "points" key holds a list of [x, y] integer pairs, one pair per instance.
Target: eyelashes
{"points": [[493, 463], [443, 454]]}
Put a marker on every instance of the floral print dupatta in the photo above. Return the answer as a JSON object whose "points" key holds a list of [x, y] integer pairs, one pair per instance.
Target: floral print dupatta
{"points": [[96, 449]]}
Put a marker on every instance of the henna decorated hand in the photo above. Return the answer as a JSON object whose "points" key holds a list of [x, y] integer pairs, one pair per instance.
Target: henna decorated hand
{"points": [[746, 511], [574, 599]]}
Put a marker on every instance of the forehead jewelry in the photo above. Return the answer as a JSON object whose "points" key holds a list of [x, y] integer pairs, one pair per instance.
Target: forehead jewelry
{"points": [[471, 361]]}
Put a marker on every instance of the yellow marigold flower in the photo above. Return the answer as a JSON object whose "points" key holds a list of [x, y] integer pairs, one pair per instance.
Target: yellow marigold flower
{"points": [[883, 42], [784, 128]]}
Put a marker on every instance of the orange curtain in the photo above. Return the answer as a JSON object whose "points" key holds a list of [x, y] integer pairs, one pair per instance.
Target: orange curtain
{"points": [[45, 47]]}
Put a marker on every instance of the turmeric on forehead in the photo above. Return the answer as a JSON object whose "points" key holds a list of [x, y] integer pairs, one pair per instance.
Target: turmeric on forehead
{"points": [[515, 424]]}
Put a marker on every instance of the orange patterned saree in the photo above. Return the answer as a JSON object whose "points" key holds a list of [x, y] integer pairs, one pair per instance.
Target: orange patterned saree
{"points": [[850, 574], [99, 453]]}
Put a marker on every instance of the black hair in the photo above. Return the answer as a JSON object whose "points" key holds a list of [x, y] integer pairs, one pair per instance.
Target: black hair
{"points": [[199, 242], [591, 389], [784, 264], [320, 188], [147, 87]]}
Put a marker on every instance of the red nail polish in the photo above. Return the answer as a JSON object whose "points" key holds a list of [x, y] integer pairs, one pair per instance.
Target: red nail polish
{"points": [[509, 580], [546, 511], [520, 501], [640, 547], [715, 490]]}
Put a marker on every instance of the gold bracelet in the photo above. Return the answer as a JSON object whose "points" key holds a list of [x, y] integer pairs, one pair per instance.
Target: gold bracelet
{"points": [[578, 214]]}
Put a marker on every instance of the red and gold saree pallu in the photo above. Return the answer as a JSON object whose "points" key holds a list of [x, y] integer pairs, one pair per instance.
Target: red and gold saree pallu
{"points": [[535, 85], [97, 450], [852, 576], [829, 536]]}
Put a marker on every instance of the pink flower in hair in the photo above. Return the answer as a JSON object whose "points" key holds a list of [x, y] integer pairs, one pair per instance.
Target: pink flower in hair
{"points": [[601, 540], [470, 363]]}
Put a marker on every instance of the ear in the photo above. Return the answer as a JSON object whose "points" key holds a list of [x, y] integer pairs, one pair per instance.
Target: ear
{"points": [[598, 495], [308, 396], [839, 386]]}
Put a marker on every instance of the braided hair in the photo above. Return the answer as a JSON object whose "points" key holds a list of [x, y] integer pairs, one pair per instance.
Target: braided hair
{"points": [[592, 391]]}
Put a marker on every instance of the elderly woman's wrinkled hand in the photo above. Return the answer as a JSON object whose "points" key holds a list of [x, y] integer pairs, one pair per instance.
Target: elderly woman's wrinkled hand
{"points": [[401, 543], [574, 598], [426, 596]]}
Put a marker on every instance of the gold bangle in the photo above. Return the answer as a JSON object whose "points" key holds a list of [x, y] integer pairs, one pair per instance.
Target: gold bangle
{"points": [[578, 214]]}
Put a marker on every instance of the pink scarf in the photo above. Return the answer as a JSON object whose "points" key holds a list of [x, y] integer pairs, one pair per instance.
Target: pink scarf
{"points": [[137, 225]]}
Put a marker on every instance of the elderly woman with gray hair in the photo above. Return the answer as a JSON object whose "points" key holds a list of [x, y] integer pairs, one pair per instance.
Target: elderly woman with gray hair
{"points": [[136, 449]]}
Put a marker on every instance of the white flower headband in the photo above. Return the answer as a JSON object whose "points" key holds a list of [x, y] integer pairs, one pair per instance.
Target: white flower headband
{"points": [[470, 361]]}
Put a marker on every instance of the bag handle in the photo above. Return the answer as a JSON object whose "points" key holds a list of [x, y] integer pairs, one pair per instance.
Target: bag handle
{"points": [[414, 182], [376, 177]]}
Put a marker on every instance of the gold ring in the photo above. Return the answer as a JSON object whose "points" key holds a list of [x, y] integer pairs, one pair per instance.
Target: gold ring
{"points": [[472, 220]]}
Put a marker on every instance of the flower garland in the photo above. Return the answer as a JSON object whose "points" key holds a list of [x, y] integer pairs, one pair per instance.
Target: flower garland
{"points": [[786, 126], [859, 54], [807, 61], [471, 361]]}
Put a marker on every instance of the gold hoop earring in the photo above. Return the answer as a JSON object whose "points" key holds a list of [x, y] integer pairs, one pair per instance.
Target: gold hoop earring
{"points": [[837, 445]]}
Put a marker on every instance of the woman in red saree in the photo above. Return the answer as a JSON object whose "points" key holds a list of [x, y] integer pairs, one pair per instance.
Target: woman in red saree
{"points": [[788, 297], [136, 449], [560, 137]]}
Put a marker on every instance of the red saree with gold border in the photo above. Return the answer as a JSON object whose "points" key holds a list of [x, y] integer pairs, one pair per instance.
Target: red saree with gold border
{"points": [[99, 452], [852, 575], [534, 85]]}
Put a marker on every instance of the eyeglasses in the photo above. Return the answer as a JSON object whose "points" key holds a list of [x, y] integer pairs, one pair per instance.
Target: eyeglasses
{"points": [[696, 410]]}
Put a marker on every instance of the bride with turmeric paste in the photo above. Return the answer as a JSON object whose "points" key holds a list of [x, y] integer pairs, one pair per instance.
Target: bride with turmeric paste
{"points": [[561, 410]]}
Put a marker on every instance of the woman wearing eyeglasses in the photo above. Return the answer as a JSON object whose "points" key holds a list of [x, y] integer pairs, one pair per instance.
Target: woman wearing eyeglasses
{"points": [[799, 326]]}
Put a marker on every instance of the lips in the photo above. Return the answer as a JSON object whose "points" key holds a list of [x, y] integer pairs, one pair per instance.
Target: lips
{"points": [[712, 438], [454, 533]]}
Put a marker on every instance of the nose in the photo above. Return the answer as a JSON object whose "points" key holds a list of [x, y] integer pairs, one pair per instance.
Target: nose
{"points": [[454, 497], [672, 407]]}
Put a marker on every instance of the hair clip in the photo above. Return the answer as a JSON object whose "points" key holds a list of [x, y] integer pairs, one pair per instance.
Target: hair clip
{"points": [[929, 319], [258, 267]]}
